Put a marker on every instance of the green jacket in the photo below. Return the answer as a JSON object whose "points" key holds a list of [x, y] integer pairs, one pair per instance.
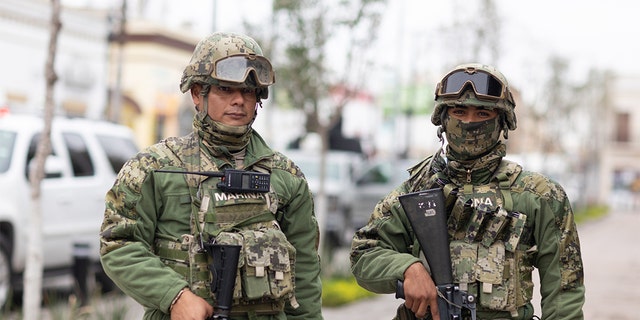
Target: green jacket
{"points": [[138, 211], [383, 249]]}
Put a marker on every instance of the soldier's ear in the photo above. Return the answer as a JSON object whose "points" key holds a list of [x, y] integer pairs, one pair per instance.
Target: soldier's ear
{"points": [[195, 91]]}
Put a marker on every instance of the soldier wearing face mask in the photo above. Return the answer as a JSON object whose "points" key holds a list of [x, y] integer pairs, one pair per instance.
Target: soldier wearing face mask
{"points": [[503, 222]]}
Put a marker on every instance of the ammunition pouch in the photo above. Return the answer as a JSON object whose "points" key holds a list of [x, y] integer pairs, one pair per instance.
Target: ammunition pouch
{"points": [[265, 271], [494, 268]]}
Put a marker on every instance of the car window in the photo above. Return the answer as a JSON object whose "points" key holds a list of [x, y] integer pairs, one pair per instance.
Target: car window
{"points": [[31, 153], [7, 140], [81, 161], [311, 169], [118, 150], [377, 174], [388, 172], [335, 171]]}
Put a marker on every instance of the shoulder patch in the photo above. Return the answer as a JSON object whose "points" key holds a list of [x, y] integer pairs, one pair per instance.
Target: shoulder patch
{"points": [[542, 185], [153, 157], [282, 162]]}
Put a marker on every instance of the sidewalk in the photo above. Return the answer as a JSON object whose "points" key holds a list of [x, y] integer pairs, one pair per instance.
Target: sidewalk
{"points": [[611, 261], [382, 307]]}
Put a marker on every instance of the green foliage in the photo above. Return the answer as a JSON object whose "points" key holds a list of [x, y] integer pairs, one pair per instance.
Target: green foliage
{"points": [[342, 290], [591, 213], [60, 306]]}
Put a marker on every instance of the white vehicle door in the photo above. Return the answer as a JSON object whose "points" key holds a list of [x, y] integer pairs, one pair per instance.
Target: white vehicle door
{"points": [[71, 202]]}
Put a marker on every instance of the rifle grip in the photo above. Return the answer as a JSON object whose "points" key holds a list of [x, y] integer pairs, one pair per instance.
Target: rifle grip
{"points": [[399, 289]]}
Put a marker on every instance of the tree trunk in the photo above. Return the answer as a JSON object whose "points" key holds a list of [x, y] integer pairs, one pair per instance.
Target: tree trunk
{"points": [[33, 274]]}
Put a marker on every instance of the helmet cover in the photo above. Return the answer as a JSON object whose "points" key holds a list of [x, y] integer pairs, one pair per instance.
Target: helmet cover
{"points": [[213, 48], [505, 105]]}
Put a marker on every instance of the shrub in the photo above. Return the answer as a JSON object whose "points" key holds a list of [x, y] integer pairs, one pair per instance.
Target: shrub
{"points": [[342, 290]]}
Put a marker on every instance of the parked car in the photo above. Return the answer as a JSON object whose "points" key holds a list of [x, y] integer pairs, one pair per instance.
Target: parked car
{"points": [[376, 180], [86, 156], [341, 170]]}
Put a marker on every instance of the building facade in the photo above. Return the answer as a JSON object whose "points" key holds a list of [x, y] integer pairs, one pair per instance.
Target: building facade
{"points": [[81, 63], [133, 78], [149, 60]]}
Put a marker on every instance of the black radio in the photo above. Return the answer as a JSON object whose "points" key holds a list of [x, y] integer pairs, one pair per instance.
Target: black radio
{"points": [[233, 180]]}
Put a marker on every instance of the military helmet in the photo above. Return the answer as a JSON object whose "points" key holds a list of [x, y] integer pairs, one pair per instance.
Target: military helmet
{"points": [[489, 89], [228, 58]]}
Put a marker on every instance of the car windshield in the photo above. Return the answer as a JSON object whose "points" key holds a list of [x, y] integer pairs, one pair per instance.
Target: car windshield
{"points": [[311, 169], [7, 140]]}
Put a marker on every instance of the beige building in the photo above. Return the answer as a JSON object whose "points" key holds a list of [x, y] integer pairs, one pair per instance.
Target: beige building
{"points": [[620, 157], [152, 59], [80, 62], [603, 162]]}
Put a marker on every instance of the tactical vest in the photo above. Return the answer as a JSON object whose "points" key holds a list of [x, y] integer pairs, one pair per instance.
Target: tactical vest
{"points": [[486, 237], [265, 277]]}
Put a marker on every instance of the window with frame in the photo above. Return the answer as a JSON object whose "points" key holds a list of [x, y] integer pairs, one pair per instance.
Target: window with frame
{"points": [[118, 150], [623, 127], [81, 161]]}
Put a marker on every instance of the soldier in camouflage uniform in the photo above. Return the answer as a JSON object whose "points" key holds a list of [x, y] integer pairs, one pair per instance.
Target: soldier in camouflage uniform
{"points": [[503, 221], [156, 223]]}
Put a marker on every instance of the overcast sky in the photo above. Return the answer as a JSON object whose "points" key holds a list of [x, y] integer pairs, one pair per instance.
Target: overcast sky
{"points": [[596, 33], [589, 33]]}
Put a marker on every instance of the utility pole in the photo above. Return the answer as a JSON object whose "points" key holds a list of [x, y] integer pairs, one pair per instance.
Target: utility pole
{"points": [[214, 16]]}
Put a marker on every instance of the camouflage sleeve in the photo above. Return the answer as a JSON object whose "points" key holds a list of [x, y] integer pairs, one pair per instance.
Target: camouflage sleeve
{"points": [[298, 222], [382, 250], [559, 260], [127, 234]]}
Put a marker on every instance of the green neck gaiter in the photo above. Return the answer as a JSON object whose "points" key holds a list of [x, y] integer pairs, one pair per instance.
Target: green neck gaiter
{"points": [[476, 171], [222, 139]]}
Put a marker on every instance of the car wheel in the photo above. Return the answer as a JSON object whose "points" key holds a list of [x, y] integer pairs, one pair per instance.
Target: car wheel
{"points": [[5, 272]]}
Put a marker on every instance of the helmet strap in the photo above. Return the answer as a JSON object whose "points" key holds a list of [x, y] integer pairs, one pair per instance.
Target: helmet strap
{"points": [[204, 111], [440, 136], [503, 124]]}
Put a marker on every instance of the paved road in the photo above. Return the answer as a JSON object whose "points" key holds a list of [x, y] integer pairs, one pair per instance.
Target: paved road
{"points": [[611, 259], [612, 262]]}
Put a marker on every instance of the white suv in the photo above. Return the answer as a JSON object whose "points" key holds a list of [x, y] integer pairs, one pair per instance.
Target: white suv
{"points": [[341, 169], [86, 156]]}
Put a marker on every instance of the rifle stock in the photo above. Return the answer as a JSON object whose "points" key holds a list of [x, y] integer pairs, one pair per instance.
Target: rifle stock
{"points": [[427, 214]]}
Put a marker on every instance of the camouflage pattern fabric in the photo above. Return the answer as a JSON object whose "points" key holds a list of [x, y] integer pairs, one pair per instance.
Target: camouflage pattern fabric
{"points": [[504, 222], [468, 98], [481, 263], [223, 139], [266, 262], [211, 49], [147, 213], [469, 140], [539, 232]]}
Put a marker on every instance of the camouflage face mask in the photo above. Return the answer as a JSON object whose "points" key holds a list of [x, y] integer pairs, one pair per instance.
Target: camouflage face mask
{"points": [[470, 140], [222, 138]]}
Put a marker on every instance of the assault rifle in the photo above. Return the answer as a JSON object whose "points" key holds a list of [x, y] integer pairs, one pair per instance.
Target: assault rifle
{"points": [[223, 269], [428, 218]]}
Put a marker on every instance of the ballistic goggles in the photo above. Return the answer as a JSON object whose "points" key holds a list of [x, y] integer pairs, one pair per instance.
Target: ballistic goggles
{"points": [[484, 84], [236, 68]]}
